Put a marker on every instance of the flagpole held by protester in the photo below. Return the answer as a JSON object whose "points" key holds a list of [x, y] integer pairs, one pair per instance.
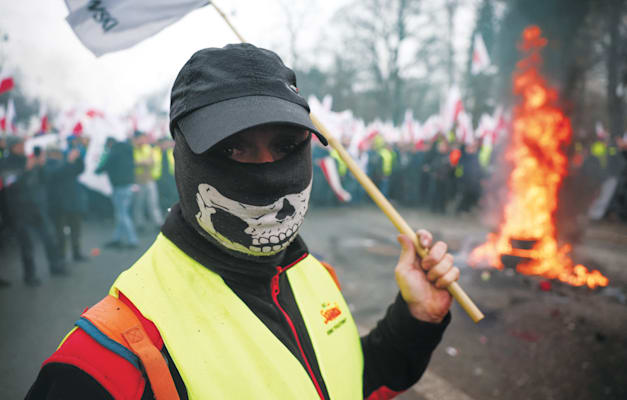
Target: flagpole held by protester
{"points": [[403, 227]]}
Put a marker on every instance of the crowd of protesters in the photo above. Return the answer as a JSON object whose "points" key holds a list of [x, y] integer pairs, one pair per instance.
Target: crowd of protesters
{"points": [[41, 197], [443, 175]]}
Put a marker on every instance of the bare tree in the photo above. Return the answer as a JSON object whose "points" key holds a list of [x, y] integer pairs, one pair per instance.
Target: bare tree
{"points": [[295, 16], [451, 9], [380, 38]]}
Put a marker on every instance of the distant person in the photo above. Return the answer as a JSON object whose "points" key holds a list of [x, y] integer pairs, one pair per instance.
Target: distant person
{"points": [[163, 173], [471, 179], [117, 163], [439, 169], [4, 228], [146, 198], [26, 208], [66, 204], [618, 204]]}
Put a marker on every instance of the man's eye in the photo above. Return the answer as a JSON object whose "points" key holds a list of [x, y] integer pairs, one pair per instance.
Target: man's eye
{"points": [[287, 147], [290, 144], [228, 151]]}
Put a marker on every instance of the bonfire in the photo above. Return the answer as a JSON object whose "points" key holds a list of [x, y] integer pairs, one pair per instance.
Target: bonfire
{"points": [[540, 134]]}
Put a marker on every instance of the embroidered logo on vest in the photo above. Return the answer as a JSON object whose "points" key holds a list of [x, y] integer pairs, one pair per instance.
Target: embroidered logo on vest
{"points": [[329, 312]]}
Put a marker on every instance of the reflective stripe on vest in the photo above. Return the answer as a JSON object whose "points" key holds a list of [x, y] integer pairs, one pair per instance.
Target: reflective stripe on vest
{"points": [[222, 350]]}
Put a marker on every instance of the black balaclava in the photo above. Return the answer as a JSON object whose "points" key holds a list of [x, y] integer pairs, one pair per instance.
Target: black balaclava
{"points": [[251, 211]]}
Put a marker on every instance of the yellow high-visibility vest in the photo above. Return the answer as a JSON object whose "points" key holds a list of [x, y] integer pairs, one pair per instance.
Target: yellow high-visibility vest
{"points": [[220, 347], [142, 154], [156, 167], [388, 158], [485, 154], [341, 165], [170, 153], [599, 150]]}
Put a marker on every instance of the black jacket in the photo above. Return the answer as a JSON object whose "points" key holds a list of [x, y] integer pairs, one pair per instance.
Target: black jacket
{"points": [[64, 191], [119, 164], [24, 193]]}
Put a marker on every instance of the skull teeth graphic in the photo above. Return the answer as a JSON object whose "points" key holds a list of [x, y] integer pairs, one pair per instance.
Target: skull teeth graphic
{"points": [[250, 229]]}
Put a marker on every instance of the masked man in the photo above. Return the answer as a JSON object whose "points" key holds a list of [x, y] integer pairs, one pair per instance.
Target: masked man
{"points": [[228, 303]]}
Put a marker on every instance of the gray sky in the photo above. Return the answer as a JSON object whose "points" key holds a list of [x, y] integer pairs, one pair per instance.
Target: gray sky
{"points": [[57, 68]]}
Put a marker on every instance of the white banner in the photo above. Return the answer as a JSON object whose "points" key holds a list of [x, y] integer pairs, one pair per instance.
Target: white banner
{"points": [[111, 25]]}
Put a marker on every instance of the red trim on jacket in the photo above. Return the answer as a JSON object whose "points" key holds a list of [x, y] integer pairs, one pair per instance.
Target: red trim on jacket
{"points": [[119, 377], [383, 393]]}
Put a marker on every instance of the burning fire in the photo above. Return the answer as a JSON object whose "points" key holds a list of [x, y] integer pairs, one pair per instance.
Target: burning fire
{"points": [[540, 134]]}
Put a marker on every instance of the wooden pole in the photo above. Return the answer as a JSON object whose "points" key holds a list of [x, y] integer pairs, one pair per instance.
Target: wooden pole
{"points": [[226, 19], [454, 289]]}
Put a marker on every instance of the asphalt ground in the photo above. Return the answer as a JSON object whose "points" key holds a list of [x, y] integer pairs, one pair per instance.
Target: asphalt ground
{"points": [[564, 343]]}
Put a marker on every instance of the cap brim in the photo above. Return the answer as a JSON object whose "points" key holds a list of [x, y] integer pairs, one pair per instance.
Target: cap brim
{"points": [[208, 125]]}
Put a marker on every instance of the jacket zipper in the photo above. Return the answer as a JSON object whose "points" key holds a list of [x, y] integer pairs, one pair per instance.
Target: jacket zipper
{"points": [[274, 287]]}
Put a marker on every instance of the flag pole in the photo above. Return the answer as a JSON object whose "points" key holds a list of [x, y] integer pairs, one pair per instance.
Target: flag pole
{"points": [[226, 19], [380, 200]]}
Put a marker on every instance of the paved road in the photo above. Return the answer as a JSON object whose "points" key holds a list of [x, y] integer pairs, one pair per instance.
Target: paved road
{"points": [[567, 343]]}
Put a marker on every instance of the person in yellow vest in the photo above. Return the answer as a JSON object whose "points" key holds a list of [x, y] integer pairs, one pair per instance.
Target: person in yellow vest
{"points": [[228, 303], [163, 173], [146, 198]]}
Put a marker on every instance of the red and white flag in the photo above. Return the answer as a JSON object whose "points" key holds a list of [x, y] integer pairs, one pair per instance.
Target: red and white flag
{"points": [[452, 108], [501, 124], [6, 79], [104, 26], [329, 169], [44, 125], [408, 131], [480, 57], [94, 113], [77, 130], [2, 119], [6, 122], [431, 127], [464, 131], [487, 125]]}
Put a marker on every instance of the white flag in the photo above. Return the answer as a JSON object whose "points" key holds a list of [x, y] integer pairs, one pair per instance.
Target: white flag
{"points": [[480, 57], [111, 25]]}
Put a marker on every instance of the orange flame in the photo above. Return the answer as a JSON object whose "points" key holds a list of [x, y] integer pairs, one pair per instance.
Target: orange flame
{"points": [[541, 132]]}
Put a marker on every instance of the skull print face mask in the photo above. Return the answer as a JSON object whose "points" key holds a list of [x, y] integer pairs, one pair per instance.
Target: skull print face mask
{"points": [[249, 210]]}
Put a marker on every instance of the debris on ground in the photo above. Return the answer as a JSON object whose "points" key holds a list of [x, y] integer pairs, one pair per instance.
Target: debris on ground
{"points": [[451, 351]]}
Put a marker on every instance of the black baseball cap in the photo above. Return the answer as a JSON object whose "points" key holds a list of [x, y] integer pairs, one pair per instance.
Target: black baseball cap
{"points": [[222, 91]]}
